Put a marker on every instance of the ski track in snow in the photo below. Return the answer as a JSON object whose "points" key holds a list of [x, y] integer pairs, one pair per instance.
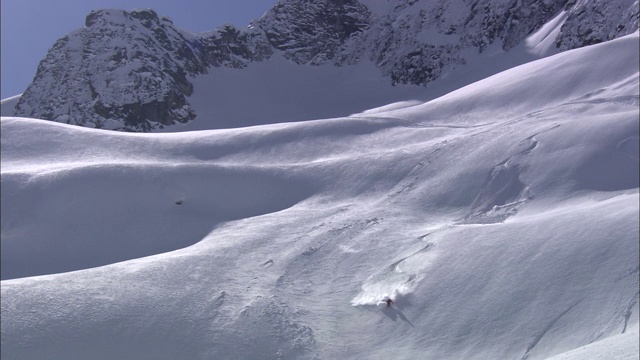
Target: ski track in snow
{"points": [[486, 218], [538, 337]]}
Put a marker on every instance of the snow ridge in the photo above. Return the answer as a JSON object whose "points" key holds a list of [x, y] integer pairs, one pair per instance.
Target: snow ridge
{"points": [[501, 218]]}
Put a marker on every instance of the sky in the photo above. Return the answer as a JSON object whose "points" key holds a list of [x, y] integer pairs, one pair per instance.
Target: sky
{"points": [[30, 27]]}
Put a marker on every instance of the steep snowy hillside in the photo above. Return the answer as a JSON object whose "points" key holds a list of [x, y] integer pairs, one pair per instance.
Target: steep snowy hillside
{"points": [[136, 71], [8, 105], [501, 218]]}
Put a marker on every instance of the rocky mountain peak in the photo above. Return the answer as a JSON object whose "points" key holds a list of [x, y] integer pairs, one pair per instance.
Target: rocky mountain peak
{"points": [[313, 32], [593, 22]]}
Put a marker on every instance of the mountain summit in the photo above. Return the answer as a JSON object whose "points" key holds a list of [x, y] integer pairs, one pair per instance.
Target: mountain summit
{"points": [[134, 70]]}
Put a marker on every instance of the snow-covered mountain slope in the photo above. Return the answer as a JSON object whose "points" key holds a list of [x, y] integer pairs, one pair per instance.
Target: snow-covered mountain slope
{"points": [[619, 347], [8, 105], [502, 218], [135, 70]]}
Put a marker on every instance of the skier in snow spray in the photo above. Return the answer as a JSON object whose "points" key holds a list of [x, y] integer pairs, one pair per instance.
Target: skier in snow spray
{"points": [[389, 302]]}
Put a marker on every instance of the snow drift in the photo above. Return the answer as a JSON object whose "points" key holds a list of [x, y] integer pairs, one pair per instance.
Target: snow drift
{"points": [[502, 218]]}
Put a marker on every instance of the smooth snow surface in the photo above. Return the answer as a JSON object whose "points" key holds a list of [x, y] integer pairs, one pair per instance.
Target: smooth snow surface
{"points": [[501, 218], [280, 91], [8, 105], [277, 90], [620, 347]]}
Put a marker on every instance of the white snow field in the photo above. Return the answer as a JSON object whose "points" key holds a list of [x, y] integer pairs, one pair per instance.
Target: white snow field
{"points": [[502, 219]]}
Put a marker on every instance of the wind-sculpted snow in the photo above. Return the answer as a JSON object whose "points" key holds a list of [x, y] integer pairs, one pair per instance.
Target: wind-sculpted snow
{"points": [[476, 103], [134, 71], [94, 207], [484, 214], [9, 105]]}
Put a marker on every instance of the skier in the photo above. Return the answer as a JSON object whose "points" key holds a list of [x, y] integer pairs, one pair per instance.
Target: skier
{"points": [[389, 302]]}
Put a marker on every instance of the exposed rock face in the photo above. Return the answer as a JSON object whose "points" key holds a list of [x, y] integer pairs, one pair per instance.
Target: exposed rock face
{"points": [[130, 70], [131, 67], [314, 31], [596, 21]]}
